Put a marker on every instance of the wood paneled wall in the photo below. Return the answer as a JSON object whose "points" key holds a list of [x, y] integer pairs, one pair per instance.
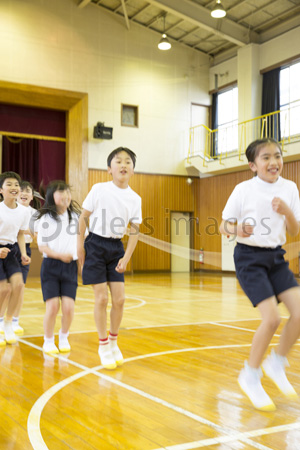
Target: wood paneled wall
{"points": [[160, 194], [214, 192], [205, 199]]}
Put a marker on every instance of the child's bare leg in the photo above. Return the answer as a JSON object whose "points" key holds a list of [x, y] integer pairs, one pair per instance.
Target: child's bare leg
{"points": [[264, 333], [15, 321], [249, 378], [291, 330], [17, 284], [52, 308], [100, 314], [67, 309], [5, 292], [117, 290], [274, 365], [20, 302]]}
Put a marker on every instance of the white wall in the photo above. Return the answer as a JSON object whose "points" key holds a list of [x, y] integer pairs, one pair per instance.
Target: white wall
{"points": [[280, 48], [55, 44], [245, 68], [226, 72]]}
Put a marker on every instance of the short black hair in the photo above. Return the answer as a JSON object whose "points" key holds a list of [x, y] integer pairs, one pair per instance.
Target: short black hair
{"points": [[6, 175], [118, 150], [255, 146]]}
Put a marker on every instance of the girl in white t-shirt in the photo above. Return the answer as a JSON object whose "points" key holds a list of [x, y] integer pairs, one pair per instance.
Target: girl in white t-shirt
{"points": [[57, 240], [259, 212]]}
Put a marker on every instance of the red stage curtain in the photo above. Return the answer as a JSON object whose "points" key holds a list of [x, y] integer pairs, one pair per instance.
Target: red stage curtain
{"points": [[34, 160]]}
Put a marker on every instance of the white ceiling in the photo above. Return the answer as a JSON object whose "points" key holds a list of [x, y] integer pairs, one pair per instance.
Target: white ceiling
{"points": [[189, 21]]}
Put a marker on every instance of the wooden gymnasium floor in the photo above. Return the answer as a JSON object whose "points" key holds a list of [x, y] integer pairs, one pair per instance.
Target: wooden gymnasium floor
{"points": [[184, 338]]}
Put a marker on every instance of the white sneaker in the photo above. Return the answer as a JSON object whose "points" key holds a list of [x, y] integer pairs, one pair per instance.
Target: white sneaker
{"points": [[50, 348], [9, 334], [106, 356], [2, 327], [17, 328], [273, 368], [249, 381], [63, 343], [118, 357]]}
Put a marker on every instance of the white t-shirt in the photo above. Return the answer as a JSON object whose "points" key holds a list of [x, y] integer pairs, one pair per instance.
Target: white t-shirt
{"points": [[251, 202], [28, 237], [11, 222], [112, 209], [60, 236]]}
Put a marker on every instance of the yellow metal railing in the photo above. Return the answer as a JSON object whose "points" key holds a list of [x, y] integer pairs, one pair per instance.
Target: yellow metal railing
{"points": [[233, 139]]}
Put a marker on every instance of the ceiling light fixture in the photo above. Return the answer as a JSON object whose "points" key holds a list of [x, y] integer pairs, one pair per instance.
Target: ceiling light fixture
{"points": [[218, 12], [164, 43]]}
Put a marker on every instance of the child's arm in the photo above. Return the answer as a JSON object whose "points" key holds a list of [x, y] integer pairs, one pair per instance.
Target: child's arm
{"points": [[241, 229], [65, 257], [132, 241], [82, 224], [21, 242], [279, 206]]}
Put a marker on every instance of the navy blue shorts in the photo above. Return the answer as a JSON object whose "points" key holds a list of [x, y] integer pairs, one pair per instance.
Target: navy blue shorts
{"points": [[101, 259], [262, 272], [24, 269], [58, 279], [9, 265]]}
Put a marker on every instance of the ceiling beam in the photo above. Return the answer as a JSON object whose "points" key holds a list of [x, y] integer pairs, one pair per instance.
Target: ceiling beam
{"points": [[200, 16], [84, 3], [125, 14], [140, 11]]}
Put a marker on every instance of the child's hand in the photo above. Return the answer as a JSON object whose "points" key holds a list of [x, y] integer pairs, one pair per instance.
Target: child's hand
{"points": [[280, 206], [66, 257], [25, 260], [121, 267], [245, 230], [4, 252]]}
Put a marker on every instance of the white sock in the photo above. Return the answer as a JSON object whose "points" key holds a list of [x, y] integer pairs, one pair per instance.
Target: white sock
{"points": [[113, 339], [63, 335], [1, 319], [15, 320], [49, 340]]}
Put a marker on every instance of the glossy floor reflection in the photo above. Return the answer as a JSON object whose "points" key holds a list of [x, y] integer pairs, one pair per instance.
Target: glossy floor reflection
{"points": [[184, 338]]}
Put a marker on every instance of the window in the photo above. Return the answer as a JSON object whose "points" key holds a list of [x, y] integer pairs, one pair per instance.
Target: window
{"points": [[227, 120], [290, 100]]}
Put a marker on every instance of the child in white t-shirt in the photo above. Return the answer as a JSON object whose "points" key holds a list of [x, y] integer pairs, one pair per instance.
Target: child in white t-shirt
{"points": [[25, 198], [14, 220], [57, 241], [109, 207], [259, 212]]}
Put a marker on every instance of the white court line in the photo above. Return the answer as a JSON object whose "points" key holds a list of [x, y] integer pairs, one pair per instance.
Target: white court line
{"points": [[33, 423], [237, 328], [238, 436], [146, 327]]}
